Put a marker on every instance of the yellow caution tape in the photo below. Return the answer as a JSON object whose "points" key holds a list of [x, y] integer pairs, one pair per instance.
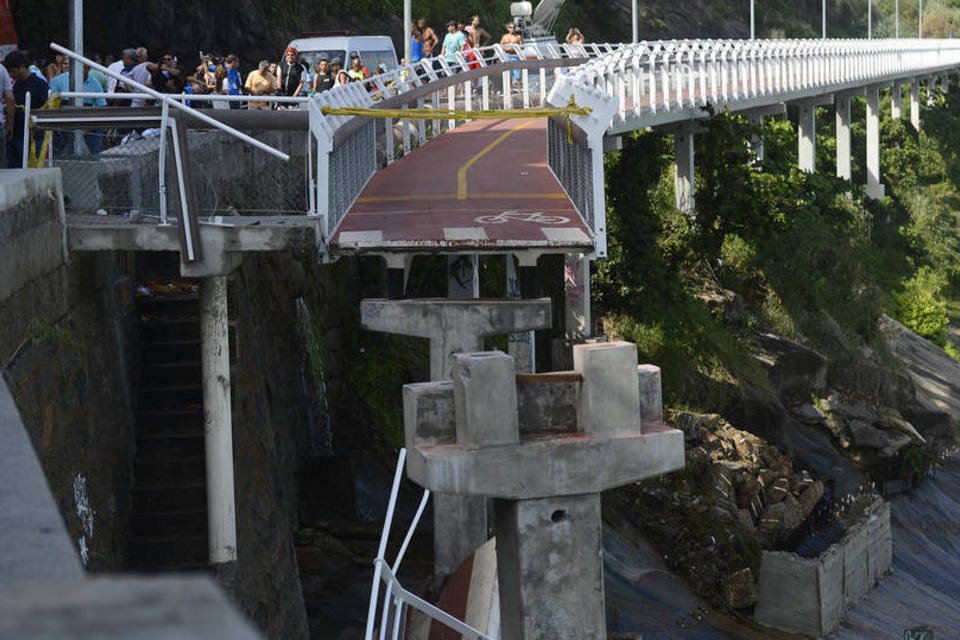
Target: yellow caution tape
{"points": [[572, 109]]}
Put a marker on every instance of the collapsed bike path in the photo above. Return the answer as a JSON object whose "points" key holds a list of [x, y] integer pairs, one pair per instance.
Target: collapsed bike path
{"points": [[484, 186]]}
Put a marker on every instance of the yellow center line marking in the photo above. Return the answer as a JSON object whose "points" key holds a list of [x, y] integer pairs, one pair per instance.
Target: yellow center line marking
{"points": [[462, 173], [452, 196]]}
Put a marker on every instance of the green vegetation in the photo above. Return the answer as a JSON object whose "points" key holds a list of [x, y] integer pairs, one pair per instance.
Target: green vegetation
{"points": [[807, 254]]}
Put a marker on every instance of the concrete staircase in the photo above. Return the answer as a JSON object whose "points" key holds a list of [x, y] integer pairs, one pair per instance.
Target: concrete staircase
{"points": [[168, 528]]}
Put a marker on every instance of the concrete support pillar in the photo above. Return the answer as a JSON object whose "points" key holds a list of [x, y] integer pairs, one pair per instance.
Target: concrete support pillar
{"points": [[843, 136], [550, 571], [915, 104], [455, 326], [756, 140], [520, 283], [463, 276], [684, 180], [217, 419], [931, 91], [576, 282], [945, 84], [875, 189], [896, 101], [807, 136]]}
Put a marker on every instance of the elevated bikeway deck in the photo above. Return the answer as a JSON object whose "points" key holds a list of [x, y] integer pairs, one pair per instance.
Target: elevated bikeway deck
{"points": [[482, 187]]}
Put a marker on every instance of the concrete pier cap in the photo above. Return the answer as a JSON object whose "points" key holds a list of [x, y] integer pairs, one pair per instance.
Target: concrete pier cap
{"points": [[472, 436]]}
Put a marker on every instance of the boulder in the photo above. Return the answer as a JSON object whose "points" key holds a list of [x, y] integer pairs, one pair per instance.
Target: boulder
{"points": [[779, 490], [808, 413], [748, 491], [739, 589], [897, 442], [792, 515], [791, 366], [810, 497], [866, 435], [894, 423], [851, 411]]}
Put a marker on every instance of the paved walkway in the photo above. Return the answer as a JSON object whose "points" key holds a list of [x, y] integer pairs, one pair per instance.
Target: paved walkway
{"points": [[484, 186]]}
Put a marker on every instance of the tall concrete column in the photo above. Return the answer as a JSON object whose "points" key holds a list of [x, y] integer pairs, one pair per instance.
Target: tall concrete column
{"points": [[807, 136], [843, 136], [915, 104], [217, 419], [931, 91], [463, 276], [455, 326], [945, 83], [576, 285], [896, 101], [756, 140], [684, 180], [875, 190]]}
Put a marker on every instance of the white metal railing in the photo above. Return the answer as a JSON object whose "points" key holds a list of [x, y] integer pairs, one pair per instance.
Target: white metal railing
{"points": [[654, 78], [396, 599]]}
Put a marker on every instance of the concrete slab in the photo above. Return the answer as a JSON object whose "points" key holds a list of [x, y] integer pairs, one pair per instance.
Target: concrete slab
{"points": [[34, 544], [133, 608]]}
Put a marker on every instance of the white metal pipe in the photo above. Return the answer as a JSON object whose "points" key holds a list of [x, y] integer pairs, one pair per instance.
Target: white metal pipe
{"points": [[920, 20], [217, 418], [190, 96], [162, 161], [634, 25], [26, 130], [753, 32], [896, 20], [76, 42], [407, 29], [382, 548], [869, 19], [823, 11], [413, 526], [160, 96]]}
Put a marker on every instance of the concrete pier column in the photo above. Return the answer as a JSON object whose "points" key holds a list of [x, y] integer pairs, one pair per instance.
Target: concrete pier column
{"points": [[843, 136], [576, 285], [217, 419], [455, 326], [546, 489], [915, 104], [550, 573], [756, 140], [931, 90], [463, 276], [685, 177], [807, 136], [874, 190], [945, 84], [896, 101]]}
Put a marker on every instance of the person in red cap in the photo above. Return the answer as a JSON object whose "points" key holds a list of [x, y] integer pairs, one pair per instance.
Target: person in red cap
{"points": [[290, 73]]}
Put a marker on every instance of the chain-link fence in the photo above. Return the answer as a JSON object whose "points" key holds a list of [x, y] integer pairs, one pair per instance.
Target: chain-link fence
{"points": [[116, 172], [572, 163]]}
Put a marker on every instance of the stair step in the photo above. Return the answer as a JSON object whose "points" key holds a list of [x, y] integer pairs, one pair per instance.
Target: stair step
{"points": [[173, 306], [170, 351], [157, 447], [158, 329], [160, 499], [154, 421], [170, 374], [185, 396], [170, 551], [166, 471], [183, 522]]}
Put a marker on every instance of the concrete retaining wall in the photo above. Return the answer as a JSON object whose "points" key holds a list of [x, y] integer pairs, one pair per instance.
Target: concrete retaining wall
{"points": [[810, 595]]}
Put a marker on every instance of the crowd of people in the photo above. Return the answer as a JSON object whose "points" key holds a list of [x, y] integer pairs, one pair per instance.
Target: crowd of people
{"points": [[45, 81]]}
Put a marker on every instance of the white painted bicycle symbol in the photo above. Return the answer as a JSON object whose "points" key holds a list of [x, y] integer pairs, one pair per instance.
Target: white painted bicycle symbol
{"points": [[515, 216]]}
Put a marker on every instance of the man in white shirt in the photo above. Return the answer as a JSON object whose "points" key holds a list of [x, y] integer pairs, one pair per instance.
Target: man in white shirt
{"points": [[6, 114]]}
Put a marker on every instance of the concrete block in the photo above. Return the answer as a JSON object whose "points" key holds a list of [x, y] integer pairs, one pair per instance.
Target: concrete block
{"points": [[789, 593], [34, 543], [651, 393], [609, 395], [547, 403], [485, 399], [463, 520], [879, 543], [550, 568], [830, 585], [428, 414], [187, 608], [855, 579]]}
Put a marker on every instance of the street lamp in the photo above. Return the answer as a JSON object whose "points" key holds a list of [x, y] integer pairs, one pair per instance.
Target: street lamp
{"points": [[753, 33], [407, 29], [896, 21], [870, 18], [634, 14], [920, 20], [823, 5]]}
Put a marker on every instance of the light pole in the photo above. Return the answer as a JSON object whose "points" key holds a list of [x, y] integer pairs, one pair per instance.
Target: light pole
{"points": [[753, 32], [920, 20], [823, 12], [896, 21], [869, 19], [407, 29], [634, 14]]}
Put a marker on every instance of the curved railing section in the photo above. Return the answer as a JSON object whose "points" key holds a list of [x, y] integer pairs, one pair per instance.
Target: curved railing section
{"points": [[659, 82]]}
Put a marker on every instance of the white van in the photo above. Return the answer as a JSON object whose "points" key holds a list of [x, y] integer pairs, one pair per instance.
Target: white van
{"points": [[373, 50]]}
